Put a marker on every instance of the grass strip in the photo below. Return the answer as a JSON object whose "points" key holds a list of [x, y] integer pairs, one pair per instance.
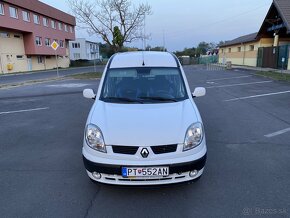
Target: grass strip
{"points": [[275, 75], [89, 75]]}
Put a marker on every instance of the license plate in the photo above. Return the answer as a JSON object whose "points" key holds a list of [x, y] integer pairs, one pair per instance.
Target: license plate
{"points": [[130, 172]]}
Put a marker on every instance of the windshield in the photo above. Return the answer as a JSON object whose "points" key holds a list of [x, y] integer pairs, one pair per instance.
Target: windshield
{"points": [[143, 85]]}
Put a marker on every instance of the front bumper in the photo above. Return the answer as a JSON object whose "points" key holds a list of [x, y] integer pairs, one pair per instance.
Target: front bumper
{"points": [[112, 174]]}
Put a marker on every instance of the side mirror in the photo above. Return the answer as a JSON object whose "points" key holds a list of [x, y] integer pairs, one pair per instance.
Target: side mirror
{"points": [[199, 92], [89, 93]]}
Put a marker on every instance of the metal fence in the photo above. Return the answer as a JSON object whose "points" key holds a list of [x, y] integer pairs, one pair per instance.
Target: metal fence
{"points": [[199, 60], [215, 67]]}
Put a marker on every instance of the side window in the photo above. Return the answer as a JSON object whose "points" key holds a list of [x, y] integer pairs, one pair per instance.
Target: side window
{"points": [[13, 12], [1, 9]]}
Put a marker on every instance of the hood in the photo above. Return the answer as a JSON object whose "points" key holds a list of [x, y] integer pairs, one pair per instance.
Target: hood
{"points": [[143, 124]]}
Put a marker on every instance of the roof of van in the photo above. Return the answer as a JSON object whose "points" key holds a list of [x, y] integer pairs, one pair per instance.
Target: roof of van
{"points": [[149, 58]]}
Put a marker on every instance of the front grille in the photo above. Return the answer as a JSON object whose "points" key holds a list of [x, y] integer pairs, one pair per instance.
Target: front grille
{"points": [[163, 149], [124, 149]]}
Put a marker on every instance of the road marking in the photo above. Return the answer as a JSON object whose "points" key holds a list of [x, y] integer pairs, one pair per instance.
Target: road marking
{"points": [[27, 110], [239, 84], [257, 96], [277, 133], [227, 78], [69, 85]]}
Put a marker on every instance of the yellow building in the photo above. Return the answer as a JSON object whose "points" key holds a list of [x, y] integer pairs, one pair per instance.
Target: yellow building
{"points": [[266, 48]]}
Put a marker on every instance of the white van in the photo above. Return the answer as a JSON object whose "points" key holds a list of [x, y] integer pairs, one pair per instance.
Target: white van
{"points": [[144, 127]]}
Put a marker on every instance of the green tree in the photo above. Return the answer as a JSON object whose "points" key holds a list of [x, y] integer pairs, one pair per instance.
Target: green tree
{"points": [[118, 39], [202, 48], [157, 48], [186, 52]]}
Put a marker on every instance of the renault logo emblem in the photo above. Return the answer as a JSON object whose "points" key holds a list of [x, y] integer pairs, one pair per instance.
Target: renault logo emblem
{"points": [[144, 152]]}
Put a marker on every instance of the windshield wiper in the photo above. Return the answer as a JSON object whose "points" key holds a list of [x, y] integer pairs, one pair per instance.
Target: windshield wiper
{"points": [[131, 100], [159, 99]]}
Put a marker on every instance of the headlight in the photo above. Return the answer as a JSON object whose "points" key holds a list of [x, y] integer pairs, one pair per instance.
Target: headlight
{"points": [[193, 137], [94, 138]]}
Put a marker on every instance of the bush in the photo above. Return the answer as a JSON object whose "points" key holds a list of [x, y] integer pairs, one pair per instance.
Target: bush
{"points": [[86, 63]]}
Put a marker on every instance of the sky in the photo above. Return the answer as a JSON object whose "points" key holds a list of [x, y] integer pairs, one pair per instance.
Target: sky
{"points": [[185, 23]]}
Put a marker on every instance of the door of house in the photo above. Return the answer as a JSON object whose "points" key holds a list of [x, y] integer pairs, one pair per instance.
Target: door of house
{"points": [[1, 67], [273, 57], [270, 55], [283, 57], [29, 64]]}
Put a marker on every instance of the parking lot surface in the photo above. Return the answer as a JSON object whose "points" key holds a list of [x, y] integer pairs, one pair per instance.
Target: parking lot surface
{"points": [[247, 124]]}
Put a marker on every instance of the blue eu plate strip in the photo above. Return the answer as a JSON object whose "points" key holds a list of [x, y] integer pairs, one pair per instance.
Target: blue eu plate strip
{"points": [[124, 172]]}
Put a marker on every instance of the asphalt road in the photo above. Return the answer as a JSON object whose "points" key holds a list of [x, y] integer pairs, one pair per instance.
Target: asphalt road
{"points": [[40, 75], [247, 172]]}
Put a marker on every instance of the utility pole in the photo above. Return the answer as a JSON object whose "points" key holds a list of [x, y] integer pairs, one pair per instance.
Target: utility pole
{"points": [[56, 64], [55, 46], [163, 40]]}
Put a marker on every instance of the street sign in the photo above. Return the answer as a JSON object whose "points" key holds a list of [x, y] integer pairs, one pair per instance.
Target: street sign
{"points": [[283, 59], [54, 45]]}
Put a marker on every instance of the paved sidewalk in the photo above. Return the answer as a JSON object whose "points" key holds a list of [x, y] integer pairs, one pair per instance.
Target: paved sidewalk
{"points": [[259, 69], [219, 66], [15, 79]]}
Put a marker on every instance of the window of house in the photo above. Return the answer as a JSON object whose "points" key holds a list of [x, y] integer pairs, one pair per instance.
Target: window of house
{"points": [[36, 19], [48, 57], [53, 25], [38, 41], [77, 55], [230, 50], [17, 36], [1, 9], [26, 16], [222, 50], [4, 35], [61, 43], [252, 47], [19, 56], [59, 26], [65, 28], [13, 12], [47, 42], [56, 40], [71, 29], [39, 59], [76, 45], [45, 21], [239, 49]]}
